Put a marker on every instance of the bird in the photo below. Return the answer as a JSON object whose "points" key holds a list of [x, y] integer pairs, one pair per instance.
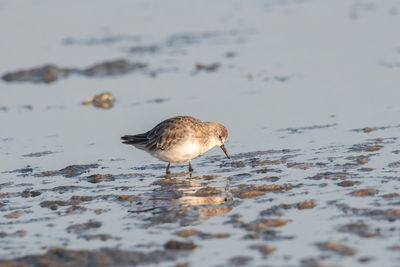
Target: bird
{"points": [[180, 139]]}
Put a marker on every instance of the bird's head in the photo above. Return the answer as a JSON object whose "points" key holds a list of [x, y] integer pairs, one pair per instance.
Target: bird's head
{"points": [[220, 134]]}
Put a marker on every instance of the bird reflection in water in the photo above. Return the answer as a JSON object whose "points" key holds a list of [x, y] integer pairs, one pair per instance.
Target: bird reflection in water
{"points": [[184, 199]]}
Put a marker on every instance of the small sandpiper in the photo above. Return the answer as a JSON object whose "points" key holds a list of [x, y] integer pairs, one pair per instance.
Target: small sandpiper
{"points": [[180, 139]]}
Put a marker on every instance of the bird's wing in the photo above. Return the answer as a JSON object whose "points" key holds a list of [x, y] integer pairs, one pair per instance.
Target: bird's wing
{"points": [[170, 132], [136, 140]]}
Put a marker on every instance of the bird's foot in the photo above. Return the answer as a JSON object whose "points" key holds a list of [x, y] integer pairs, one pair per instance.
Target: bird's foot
{"points": [[190, 167], [168, 171]]}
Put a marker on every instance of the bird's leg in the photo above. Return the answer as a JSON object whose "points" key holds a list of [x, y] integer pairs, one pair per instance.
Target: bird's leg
{"points": [[168, 171], [190, 166]]}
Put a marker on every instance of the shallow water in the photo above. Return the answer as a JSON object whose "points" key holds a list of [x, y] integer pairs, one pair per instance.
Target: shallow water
{"points": [[295, 82]]}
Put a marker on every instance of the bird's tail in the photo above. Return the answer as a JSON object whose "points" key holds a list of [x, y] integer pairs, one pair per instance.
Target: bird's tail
{"points": [[138, 139]]}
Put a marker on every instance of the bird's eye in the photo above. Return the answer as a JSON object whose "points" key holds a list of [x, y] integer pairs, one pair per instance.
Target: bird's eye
{"points": [[220, 137]]}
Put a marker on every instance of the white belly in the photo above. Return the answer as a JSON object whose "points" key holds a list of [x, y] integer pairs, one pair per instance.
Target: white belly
{"points": [[181, 153]]}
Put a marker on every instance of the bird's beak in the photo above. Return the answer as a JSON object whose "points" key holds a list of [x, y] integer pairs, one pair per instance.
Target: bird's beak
{"points": [[226, 152]]}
